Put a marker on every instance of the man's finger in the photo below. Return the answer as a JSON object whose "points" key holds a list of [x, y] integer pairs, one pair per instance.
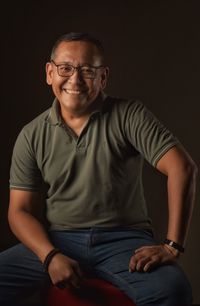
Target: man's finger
{"points": [[141, 263], [132, 264], [149, 265]]}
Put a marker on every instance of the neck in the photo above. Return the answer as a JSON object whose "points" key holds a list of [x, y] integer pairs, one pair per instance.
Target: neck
{"points": [[77, 120]]}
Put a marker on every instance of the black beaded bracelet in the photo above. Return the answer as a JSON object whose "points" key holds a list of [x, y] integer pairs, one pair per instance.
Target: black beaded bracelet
{"points": [[49, 257], [174, 245]]}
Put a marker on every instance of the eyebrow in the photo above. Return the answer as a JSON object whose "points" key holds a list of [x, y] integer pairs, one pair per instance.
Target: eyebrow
{"points": [[71, 64]]}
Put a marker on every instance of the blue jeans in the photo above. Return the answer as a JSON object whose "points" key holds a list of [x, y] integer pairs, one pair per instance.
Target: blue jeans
{"points": [[106, 254]]}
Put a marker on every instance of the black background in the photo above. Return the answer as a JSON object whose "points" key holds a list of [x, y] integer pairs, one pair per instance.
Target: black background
{"points": [[153, 50]]}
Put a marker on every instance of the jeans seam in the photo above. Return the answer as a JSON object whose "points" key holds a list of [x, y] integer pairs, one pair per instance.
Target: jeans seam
{"points": [[120, 279], [89, 244]]}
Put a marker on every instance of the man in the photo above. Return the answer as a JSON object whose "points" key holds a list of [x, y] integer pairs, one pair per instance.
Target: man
{"points": [[88, 151]]}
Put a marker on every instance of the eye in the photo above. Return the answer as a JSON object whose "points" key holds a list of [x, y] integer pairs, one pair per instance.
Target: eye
{"points": [[87, 70], [66, 68]]}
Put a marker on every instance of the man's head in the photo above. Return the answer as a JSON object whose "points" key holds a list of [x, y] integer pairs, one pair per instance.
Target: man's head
{"points": [[77, 71], [74, 36]]}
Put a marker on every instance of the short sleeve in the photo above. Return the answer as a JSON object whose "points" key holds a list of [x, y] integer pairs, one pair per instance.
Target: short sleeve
{"points": [[24, 172], [147, 134]]}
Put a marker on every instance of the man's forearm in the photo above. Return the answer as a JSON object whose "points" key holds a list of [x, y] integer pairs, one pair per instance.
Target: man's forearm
{"points": [[31, 233], [181, 194], [62, 269]]}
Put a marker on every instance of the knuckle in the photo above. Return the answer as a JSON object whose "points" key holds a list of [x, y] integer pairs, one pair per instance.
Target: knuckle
{"points": [[68, 275], [133, 259], [144, 259], [137, 256]]}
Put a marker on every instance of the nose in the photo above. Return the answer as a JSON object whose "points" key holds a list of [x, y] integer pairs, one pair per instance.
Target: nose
{"points": [[76, 77]]}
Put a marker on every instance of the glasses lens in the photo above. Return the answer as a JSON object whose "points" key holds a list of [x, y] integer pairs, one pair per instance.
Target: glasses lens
{"points": [[88, 72], [65, 70]]}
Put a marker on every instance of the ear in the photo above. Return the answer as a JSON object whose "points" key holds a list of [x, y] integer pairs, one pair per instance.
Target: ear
{"points": [[104, 77], [49, 73]]}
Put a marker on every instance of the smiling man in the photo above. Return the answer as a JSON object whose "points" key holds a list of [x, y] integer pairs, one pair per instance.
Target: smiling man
{"points": [[88, 150], [77, 76]]}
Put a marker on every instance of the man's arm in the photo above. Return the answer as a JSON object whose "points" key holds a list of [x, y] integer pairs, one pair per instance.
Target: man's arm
{"points": [[181, 173], [27, 228], [181, 182]]}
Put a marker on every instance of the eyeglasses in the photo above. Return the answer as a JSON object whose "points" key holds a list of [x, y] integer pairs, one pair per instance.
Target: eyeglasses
{"points": [[86, 71]]}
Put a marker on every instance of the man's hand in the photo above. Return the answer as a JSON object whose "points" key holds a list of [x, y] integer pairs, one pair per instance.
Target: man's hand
{"points": [[148, 257], [65, 271]]}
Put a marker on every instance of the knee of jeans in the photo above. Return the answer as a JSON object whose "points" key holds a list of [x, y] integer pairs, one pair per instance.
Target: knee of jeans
{"points": [[166, 286], [176, 289]]}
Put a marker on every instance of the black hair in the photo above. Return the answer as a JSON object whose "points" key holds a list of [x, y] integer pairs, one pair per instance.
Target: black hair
{"points": [[78, 36]]}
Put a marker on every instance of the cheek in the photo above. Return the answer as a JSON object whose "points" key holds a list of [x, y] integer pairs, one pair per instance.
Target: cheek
{"points": [[58, 84], [56, 89], [96, 85]]}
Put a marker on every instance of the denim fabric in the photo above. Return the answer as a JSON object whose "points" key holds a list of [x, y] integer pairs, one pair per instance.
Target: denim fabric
{"points": [[104, 253]]}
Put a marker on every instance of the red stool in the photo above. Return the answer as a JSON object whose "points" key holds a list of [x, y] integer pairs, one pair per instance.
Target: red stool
{"points": [[95, 292]]}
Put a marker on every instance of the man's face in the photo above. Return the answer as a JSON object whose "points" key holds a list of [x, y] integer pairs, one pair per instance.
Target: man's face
{"points": [[76, 93]]}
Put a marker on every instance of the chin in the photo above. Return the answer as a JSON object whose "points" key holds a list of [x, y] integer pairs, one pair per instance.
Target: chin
{"points": [[75, 105]]}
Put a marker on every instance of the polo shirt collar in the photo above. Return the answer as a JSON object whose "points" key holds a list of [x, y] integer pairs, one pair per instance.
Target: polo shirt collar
{"points": [[55, 118]]}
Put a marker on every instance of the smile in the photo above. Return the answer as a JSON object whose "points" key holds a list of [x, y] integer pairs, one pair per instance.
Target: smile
{"points": [[73, 92]]}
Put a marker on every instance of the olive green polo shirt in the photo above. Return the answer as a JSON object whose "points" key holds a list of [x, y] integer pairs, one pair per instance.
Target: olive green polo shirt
{"points": [[94, 179]]}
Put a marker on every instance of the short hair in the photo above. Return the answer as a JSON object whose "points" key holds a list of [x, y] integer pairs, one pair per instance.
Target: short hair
{"points": [[78, 36]]}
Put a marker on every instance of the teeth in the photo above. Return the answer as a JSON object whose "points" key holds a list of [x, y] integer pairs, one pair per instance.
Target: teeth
{"points": [[75, 92]]}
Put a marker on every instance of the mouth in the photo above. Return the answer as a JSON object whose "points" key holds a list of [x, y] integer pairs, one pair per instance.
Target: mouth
{"points": [[73, 91]]}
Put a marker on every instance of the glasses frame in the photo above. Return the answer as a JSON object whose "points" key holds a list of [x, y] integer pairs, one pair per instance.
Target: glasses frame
{"points": [[78, 68]]}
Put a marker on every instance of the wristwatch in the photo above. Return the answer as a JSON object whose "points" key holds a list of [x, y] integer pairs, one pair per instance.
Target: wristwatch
{"points": [[174, 245]]}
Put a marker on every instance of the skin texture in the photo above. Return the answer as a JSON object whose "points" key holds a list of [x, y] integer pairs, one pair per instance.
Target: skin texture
{"points": [[77, 98]]}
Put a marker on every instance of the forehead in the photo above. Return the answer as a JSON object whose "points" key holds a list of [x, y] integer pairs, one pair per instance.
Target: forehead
{"points": [[77, 52]]}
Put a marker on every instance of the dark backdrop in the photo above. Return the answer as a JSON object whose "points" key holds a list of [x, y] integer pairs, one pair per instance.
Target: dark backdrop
{"points": [[153, 49]]}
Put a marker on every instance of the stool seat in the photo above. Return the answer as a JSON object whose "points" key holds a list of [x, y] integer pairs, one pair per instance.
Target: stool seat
{"points": [[94, 292]]}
